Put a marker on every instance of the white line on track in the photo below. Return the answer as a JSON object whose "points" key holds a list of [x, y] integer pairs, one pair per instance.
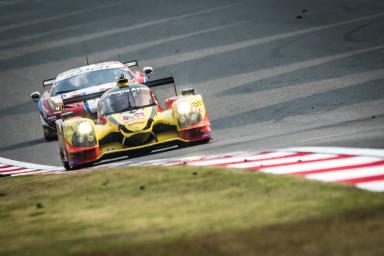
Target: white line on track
{"points": [[6, 161], [286, 160], [2, 170], [340, 151], [374, 186], [228, 160], [303, 167], [33, 172], [347, 174], [18, 171]]}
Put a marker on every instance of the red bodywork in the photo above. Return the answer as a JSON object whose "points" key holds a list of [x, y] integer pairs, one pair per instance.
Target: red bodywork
{"points": [[49, 115], [197, 132]]}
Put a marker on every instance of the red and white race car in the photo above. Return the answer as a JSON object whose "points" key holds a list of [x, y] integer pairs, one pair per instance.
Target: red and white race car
{"points": [[82, 81]]}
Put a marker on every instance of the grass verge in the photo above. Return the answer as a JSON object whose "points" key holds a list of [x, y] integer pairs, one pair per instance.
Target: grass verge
{"points": [[186, 211]]}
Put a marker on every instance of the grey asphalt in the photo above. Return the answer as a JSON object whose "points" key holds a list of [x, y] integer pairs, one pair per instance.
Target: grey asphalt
{"points": [[273, 73]]}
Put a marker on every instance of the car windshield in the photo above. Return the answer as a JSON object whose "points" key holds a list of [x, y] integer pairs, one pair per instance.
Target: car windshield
{"points": [[89, 79], [125, 99]]}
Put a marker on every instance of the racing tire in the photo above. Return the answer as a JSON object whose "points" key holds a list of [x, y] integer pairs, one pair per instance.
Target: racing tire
{"points": [[70, 168], [64, 162], [49, 134], [67, 166]]}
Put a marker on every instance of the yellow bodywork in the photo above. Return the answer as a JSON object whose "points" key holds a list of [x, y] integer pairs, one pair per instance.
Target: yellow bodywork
{"points": [[135, 122]]}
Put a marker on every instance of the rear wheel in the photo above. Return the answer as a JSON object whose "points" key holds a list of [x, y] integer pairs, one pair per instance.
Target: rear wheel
{"points": [[49, 134]]}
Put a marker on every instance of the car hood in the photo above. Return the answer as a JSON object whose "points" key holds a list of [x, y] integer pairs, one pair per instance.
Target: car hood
{"points": [[87, 91], [134, 120]]}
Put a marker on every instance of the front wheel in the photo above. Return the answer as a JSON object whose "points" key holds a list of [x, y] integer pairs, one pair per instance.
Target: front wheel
{"points": [[49, 134], [65, 162], [67, 166]]}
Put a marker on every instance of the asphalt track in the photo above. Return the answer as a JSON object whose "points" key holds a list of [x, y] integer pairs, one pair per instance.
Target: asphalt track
{"points": [[273, 73]]}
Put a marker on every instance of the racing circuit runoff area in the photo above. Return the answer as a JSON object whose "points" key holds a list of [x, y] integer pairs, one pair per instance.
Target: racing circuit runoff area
{"points": [[274, 75]]}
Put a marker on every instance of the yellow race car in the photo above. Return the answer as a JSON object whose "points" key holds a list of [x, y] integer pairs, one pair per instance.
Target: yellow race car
{"points": [[131, 120]]}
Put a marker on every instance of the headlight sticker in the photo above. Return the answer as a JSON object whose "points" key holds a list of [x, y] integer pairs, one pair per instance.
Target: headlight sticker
{"points": [[188, 114]]}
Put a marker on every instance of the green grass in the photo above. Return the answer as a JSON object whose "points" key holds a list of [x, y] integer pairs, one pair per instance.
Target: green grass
{"points": [[186, 211]]}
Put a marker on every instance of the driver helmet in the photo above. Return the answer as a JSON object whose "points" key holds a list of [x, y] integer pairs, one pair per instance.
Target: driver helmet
{"points": [[122, 81]]}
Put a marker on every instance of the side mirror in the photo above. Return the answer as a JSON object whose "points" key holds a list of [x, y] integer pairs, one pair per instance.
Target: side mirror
{"points": [[188, 91], [35, 96], [148, 71]]}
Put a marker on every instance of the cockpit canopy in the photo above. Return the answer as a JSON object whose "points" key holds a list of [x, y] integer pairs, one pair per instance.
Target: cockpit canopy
{"points": [[123, 99]]}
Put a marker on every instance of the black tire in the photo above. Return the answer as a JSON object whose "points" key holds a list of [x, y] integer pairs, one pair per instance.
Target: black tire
{"points": [[70, 168], [49, 134], [66, 165], [64, 162]]}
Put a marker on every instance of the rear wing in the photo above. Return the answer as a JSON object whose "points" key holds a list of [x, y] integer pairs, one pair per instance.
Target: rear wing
{"points": [[162, 81], [132, 63], [81, 98], [48, 82]]}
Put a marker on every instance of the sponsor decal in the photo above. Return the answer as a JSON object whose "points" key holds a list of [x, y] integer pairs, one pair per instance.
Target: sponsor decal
{"points": [[86, 91], [90, 68], [68, 128], [91, 105], [136, 115], [135, 123], [128, 90], [110, 149]]}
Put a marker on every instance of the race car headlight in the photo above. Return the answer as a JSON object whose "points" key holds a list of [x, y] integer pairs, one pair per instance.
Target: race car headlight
{"points": [[183, 121], [194, 117], [84, 135], [56, 106], [183, 108], [84, 128]]}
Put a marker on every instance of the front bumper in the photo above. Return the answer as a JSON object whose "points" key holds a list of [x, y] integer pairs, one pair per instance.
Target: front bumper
{"points": [[83, 155]]}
